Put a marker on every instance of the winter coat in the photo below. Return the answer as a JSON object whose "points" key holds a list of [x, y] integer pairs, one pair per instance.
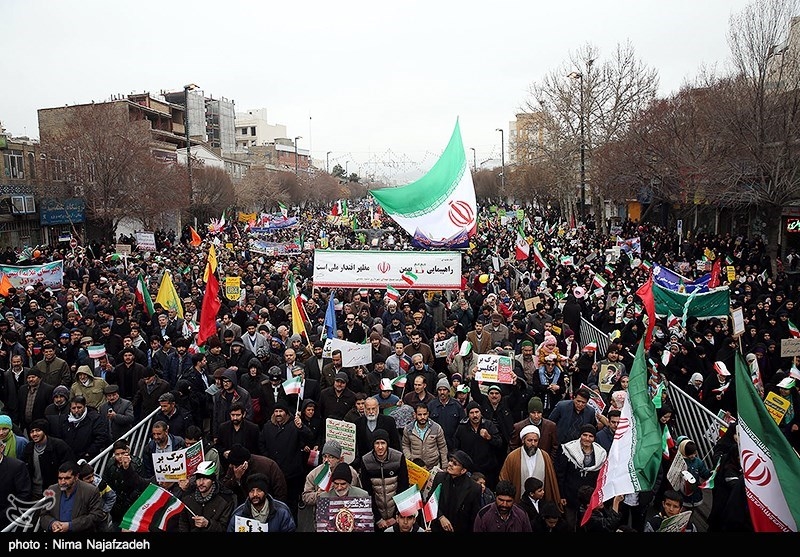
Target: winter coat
{"points": [[218, 510], [87, 437], [383, 479], [279, 517], [431, 448], [572, 473]]}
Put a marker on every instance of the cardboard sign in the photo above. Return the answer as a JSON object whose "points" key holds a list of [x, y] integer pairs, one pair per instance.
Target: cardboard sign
{"points": [[737, 316], [777, 406], [675, 523], [495, 369], [608, 376], [731, 270], [530, 303], [233, 288], [790, 347], [123, 249], [345, 433], [417, 474], [344, 514]]}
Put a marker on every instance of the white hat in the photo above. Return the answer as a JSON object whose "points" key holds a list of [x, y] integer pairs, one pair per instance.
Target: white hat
{"points": [[386, 384], [721, 368], [786, 383], [530, 428], [466, 348], [696, 377]]}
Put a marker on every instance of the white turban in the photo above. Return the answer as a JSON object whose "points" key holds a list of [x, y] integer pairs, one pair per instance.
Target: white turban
{"points": [[528, 429]]}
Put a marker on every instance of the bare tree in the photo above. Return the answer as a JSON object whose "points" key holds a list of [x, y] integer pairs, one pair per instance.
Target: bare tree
{"points": [[213, 192]]}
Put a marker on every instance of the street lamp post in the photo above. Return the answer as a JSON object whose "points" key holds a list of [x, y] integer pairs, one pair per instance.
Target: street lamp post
{"points": [[328, 162], [579, 77], [474, 160], [186, 89], [295, 153], [502, 160]]}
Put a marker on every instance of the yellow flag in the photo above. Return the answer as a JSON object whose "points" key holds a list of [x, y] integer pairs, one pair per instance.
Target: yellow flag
{"points": [[167, 295], [211, 265]]}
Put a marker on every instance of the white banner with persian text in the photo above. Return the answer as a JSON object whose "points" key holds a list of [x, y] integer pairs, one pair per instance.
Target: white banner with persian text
{"points": [[439, 270]]}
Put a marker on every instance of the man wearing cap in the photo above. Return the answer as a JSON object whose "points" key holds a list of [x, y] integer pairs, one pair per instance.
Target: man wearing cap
{"points": [[331, 454], [445, 411], [481, 439], [342, 479], [548, 433], [263, 508], [529, 460], [337, 400], [316, 362], [118, 411], [282, 439], [384, 474], [210, 504], [242, 463], [55, 371], [43, 455], [578, 464], [222, 400], [148, 390], [460, 496]]}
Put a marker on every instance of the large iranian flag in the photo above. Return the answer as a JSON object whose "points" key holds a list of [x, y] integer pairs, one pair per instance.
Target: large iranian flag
{"points": [[635, 455], [439, 209], [770, 465]]}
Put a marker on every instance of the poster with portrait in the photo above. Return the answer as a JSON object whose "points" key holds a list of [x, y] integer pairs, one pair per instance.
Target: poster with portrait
{"points": [[345, 514], [607, 377]]}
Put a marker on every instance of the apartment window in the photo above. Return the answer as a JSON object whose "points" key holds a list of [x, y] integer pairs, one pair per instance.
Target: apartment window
{"points": [[253, 131], [242, 131], [59, 170], [31, 166], [15, 164]]}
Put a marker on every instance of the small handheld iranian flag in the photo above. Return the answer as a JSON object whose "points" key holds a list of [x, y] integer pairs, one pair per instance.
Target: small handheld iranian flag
{"points": [[408, 502], [392, 293], [539, 258], [410, 278], [709, 483], [599, 281], [793, 330], [431, 508], [323, 479], [155, 506], [96, 351], [284, 209], [292, 386], [143, 296], [400, 381], [667, 443]]}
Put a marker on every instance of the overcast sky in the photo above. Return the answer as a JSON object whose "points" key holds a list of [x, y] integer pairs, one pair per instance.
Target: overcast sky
{"points": [[375, 83]]}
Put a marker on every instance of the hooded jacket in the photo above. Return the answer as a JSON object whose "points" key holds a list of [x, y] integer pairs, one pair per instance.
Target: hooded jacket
{"points": [[222, 401]]}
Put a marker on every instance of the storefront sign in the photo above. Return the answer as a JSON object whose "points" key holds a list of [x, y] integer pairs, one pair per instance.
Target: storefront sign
{"points": [[792, 225]]}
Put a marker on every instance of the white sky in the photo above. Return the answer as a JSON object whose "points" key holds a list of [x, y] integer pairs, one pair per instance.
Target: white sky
{"points": [[370, 81]]}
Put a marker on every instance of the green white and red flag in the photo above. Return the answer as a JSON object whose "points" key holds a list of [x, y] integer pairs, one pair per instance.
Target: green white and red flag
{"points": [[521, 248], [793, 330], [409, 277], [539, 258], [409, 501], [96, 351], [392, 293], [609, 269], [431, 508], [634, 459], [400, 380], [770, 465], [599, 281], [709, 483], [143, 296], [323, 478], [154, 507], [292, 386], [667, 443]]}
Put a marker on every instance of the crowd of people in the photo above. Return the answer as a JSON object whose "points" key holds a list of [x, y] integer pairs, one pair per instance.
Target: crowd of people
{"points": [[520, 456]]}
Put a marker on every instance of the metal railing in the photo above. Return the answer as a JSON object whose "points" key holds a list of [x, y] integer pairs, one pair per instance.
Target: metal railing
{"points": [[590, 333], [138, 437]]}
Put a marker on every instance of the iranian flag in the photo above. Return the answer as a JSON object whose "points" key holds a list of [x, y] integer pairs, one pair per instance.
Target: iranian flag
{"points": [[793, 330], [771, 467], [400, 380], [392, 293], [667, 443], [431, 508], [646, 266], [634, 459], [154, 507], [567, 260], [599, 281], [96, 351], [673, 321], [539, 258], [410, 278], [521, 249], [709, 483], [284, 209], [143, 296], [292, 386], [408, 502], [438, 210], [323, 479], [609, 269]]}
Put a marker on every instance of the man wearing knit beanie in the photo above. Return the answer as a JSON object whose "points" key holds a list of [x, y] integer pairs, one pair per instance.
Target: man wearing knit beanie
{"points": [[341, 484], [548, 431]]}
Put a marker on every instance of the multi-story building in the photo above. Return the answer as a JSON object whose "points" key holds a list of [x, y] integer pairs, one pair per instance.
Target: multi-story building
{"points": [[19, 172], [211, 121], [253, 129], [528, 138]]}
